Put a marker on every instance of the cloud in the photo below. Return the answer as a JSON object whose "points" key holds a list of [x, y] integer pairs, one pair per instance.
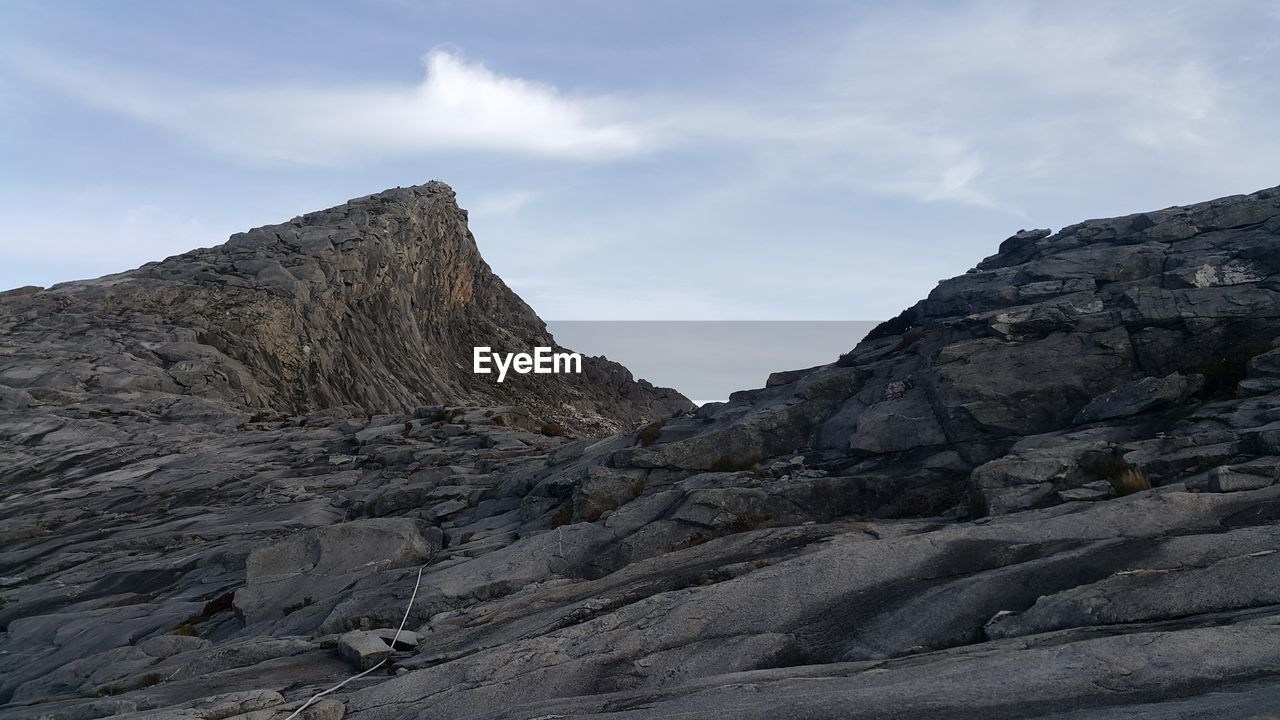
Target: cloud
{"points": [[969, 103], [982, 103], [816, 153], [1005, 93], [457, 107]]}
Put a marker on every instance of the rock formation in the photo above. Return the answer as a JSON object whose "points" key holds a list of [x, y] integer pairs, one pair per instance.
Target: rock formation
{"points": [[1047, 490], [370, 307]]}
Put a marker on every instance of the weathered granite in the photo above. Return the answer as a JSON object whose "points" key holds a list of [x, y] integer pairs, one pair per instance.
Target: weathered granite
{"points": [[369, 307], [918, 529]]}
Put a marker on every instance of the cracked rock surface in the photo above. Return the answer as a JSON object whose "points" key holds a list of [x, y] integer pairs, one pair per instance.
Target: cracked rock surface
{"points": [[1048, 490]]}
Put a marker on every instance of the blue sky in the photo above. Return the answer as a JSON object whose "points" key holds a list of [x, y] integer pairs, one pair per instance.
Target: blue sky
{"points": [[658, 160]]}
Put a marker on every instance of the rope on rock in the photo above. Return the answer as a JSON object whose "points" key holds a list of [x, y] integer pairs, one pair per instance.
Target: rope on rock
{"points": [[381, 662]]}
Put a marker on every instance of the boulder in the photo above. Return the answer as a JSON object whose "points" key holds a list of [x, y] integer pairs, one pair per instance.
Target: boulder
{"points": [[401, 640], [363, 650], [1246, 476], [1139, 396]]}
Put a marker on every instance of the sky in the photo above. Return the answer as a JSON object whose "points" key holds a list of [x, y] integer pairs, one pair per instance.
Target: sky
{"points": [[663, 160]]}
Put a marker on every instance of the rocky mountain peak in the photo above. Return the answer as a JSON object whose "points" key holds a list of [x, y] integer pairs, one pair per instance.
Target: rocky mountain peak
{"points": [[370, 307]]}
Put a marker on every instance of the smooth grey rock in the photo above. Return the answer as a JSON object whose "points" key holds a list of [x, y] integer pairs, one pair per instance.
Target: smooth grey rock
{"points": [[300, 570], [402, 640], [1089, 492], [242, 705], [1229, 581], [1235, 478], [233, 654], [163, 646], [1139, 396], [363, 650], [326, 709]]}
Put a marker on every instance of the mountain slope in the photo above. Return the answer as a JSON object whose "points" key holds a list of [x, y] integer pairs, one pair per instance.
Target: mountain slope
{"points": [[947, 522], [1057, 362], [370, 307]]}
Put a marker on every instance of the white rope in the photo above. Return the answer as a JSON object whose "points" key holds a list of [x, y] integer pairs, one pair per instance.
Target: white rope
{"points": [[381, 662]]}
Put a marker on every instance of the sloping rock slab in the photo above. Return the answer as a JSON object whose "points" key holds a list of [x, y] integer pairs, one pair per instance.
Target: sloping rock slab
{"points": [[305, 568]]}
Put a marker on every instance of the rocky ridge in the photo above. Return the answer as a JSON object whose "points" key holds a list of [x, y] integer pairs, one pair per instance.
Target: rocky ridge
{"points": [[1047, 490], [373, 306]]}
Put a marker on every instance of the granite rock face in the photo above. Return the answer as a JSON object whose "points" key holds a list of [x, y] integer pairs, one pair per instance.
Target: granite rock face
{"points": [[1051, 489], [1139, 342], [373, 306]]}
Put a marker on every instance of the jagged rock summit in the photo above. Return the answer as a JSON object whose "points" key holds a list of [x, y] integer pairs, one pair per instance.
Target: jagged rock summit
{"points": [[370, 307], [1139, 342], [1049, 490]]}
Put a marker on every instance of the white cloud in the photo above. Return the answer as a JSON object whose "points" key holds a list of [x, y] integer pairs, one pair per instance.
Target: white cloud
{"points": [[978, 103], [1048, 111], [1066, 87], [959, 104], [458, 106]]}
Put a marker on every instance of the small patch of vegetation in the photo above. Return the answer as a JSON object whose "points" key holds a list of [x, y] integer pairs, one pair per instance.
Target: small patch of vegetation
{"points": [[896, 325], [739, 523], [306, 602], [564, 516], [185, 630], [693, 540], [108, 691], [1123, 476], [751, 461], [636, 488], [152, 679], [744, 523], [594, 511], [1108, 465], [466, 537], [650, 433], [911, 337], [554, 429], [1130, 481]]}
